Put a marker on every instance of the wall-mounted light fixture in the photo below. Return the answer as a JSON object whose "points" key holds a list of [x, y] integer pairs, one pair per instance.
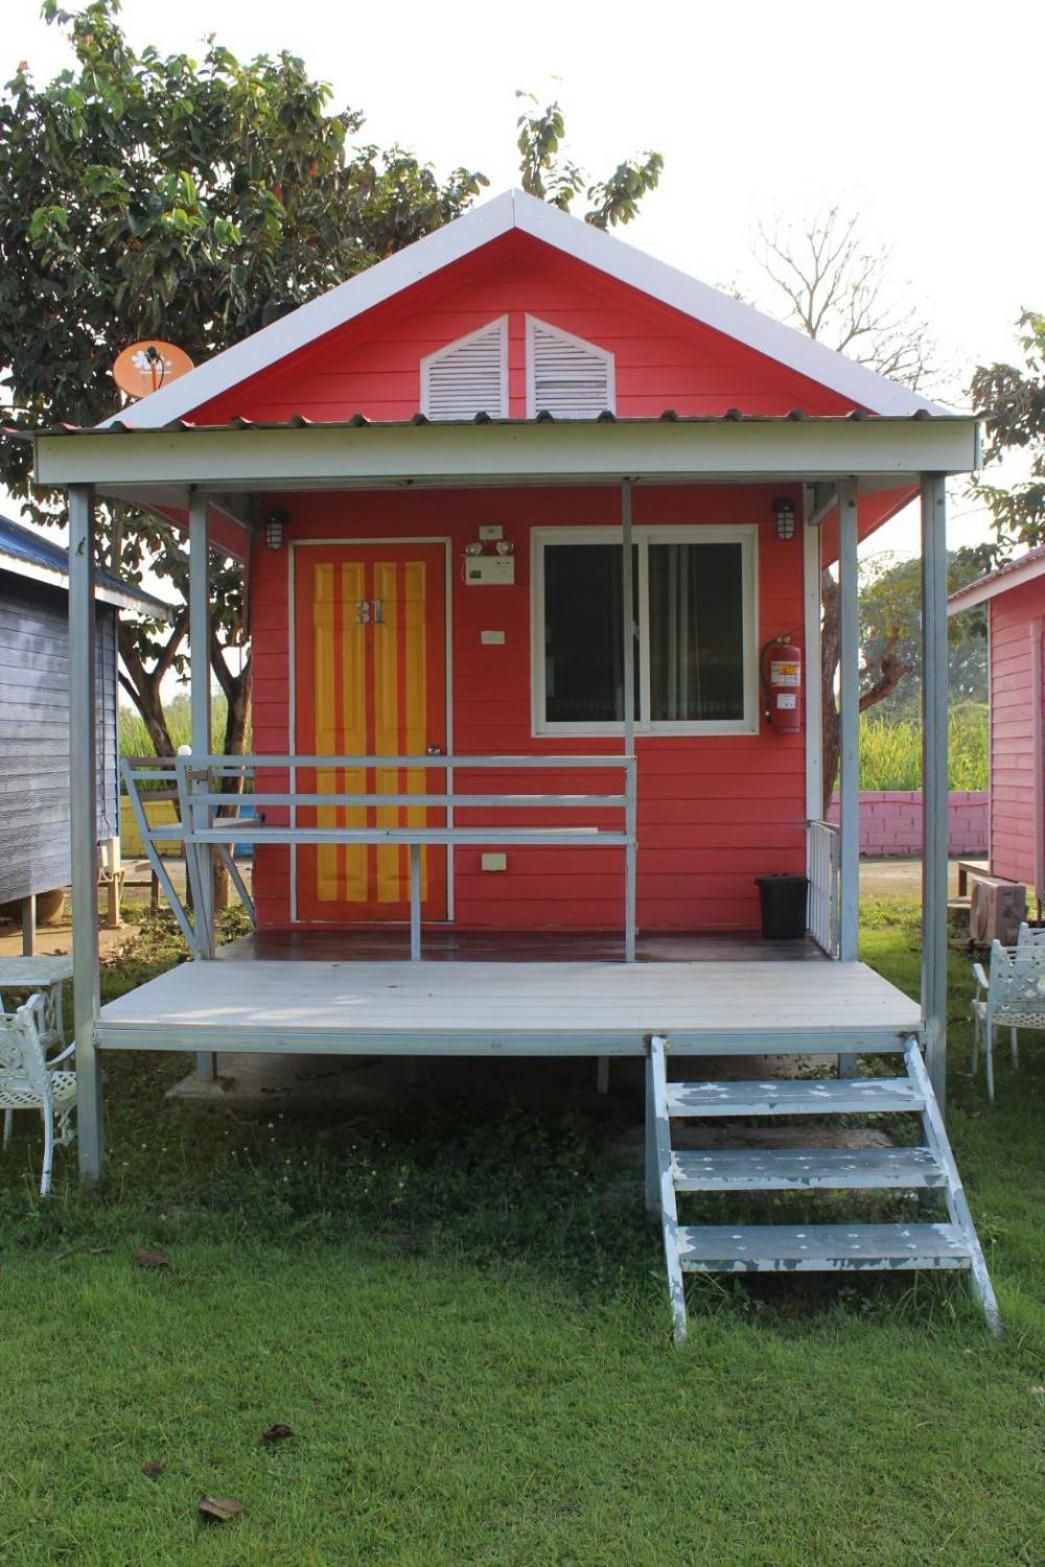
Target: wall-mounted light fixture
{"points": [[784, 512], [275, 522]]}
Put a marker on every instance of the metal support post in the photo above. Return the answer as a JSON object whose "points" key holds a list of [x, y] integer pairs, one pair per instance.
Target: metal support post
{"points": [[415, 903], [83, 812], [849, 735], [199, 706], [934, 780], [629, 632]]}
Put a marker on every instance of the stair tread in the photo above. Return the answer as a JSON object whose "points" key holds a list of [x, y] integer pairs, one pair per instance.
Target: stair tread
{"points": [[797, 1169], [768, 1248], [788, 1096]]}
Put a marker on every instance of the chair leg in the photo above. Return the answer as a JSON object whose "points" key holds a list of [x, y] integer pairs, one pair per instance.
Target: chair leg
{"points": [[988, 1053], [48, 1120], [1014, 1043], [975, 1044]]}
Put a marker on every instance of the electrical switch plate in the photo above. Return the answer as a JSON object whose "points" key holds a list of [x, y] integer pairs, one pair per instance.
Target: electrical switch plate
{"points": [[491, 638], [489, 570], [491, 530], [494, 862]]}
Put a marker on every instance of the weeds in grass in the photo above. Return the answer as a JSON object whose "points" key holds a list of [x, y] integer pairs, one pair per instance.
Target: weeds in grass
{"points": [[891, 752], [459, 1308]]}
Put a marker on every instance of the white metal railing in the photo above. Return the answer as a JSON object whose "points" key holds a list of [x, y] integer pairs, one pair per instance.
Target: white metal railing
{"points": [[195, 784], [825, 859]]}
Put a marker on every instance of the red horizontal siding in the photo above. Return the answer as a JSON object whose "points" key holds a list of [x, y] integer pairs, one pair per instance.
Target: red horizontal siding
{"points": [[1013, 797], [663, 358], [713, 812]]}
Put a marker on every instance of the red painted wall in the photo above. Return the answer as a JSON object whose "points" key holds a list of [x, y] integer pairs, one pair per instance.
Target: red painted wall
{"points": [[1012, 653], [714, 811], [663, 358]]}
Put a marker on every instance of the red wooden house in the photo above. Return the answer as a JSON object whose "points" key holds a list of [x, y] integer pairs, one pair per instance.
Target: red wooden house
{"points": [[522, 509], [1015, 599]]}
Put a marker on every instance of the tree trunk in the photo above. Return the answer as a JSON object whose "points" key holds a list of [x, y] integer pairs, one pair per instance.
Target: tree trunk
{"points": [[237, 690], [890, 671]]}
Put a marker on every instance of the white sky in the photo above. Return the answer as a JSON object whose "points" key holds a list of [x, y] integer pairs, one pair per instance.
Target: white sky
{"points": [[921, 114]]}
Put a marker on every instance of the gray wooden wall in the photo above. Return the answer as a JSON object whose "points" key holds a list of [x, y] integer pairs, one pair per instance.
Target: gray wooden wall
{"points": [[34, 735]]}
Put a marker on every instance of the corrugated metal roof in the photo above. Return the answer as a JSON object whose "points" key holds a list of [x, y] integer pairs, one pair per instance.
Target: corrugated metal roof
{"points": [[29, 554], [359, 421], [1011, 574]]}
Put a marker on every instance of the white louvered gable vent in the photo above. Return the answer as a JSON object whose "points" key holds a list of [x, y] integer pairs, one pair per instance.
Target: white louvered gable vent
{"points": [[469, 376], [565, 375]]}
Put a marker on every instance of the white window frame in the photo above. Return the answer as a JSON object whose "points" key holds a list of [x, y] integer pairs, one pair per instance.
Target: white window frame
{"points": [[500, 323], [608, 358], [746, 535]]}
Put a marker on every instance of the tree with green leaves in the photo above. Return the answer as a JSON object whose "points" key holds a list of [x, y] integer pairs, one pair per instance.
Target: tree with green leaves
{"points": [[145, 196], [548, 173], [890, 634], [1012, 400]]}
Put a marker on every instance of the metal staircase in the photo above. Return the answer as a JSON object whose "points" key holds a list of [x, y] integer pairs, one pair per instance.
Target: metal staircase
{"points": [[772, 1248]]}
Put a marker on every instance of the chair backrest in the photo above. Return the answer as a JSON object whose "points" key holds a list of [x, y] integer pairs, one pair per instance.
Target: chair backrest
{"points": [[1017, 981], [22, 1058], [1031, 936]]}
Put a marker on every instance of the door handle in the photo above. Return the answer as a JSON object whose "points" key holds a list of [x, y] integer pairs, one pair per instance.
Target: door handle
{"points": [[434, 750], [378, 614]]}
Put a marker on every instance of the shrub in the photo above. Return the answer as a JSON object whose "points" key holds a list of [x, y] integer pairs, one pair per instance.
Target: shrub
{"points": [[891, 753]]}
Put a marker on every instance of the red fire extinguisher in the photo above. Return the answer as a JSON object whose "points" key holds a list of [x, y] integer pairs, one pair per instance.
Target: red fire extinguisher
{"points": [[782, 683]]}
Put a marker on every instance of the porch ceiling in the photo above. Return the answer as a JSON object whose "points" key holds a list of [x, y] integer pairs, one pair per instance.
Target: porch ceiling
{"points": [[155, 465]]}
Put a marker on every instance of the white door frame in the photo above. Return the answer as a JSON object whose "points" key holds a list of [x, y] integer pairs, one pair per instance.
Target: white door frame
{"points": [[351, 543]]}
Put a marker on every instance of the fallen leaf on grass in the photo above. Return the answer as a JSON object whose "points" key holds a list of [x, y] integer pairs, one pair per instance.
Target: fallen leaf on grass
{"points": [[147, 1257], [153, 1466], [277, 1433], [219, 1508]]}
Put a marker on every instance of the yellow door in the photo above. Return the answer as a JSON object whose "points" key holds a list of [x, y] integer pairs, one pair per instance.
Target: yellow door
{"points": [[370, 658]]}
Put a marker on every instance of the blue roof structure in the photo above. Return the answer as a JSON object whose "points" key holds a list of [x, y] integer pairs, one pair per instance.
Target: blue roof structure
{"points": [[29, 554]]}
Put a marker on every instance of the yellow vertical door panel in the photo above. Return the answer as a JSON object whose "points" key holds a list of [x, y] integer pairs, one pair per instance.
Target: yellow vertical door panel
{"points": [[387, 732], [412, 641], [354, 723], [324, 617]]}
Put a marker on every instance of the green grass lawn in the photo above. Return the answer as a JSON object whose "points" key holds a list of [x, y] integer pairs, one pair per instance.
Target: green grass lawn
{"points": [[461, 1312]]}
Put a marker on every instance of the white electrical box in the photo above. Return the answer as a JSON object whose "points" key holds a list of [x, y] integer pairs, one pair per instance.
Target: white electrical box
{"points": [[490, 531], [492, 638], [489, 570], [494, 862]]}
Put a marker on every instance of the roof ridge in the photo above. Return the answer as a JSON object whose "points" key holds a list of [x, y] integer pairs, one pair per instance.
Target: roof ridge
{"points": [[515, 209]]}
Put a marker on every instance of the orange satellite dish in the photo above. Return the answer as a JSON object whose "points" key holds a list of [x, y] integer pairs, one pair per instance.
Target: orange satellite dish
{"points": [[146, 366]]}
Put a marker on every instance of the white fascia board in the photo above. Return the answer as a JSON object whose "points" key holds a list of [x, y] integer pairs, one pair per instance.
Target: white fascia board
{"points": [[486, 222], [784, 344], [340, 457], [997, 583], [333, 309], [104, 592]]}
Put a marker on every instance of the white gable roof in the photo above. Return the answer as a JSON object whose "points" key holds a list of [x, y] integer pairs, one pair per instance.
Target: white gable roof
{"points": [[514, 209]]}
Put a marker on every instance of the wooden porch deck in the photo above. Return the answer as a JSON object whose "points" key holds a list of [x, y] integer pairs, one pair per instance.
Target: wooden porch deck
{"points": [[352, 994]]}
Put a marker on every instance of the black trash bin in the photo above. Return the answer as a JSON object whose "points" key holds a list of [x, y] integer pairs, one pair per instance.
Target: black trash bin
{"points": [[783, 899]]}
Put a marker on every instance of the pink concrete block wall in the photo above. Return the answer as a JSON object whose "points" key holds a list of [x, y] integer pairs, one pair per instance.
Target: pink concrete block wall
{"points": [[891, 823]]}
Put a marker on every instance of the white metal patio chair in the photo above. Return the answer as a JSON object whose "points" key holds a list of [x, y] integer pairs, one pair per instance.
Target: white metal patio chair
{"points": [[1012, 995], [1031, 935], [29, 1081]]}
